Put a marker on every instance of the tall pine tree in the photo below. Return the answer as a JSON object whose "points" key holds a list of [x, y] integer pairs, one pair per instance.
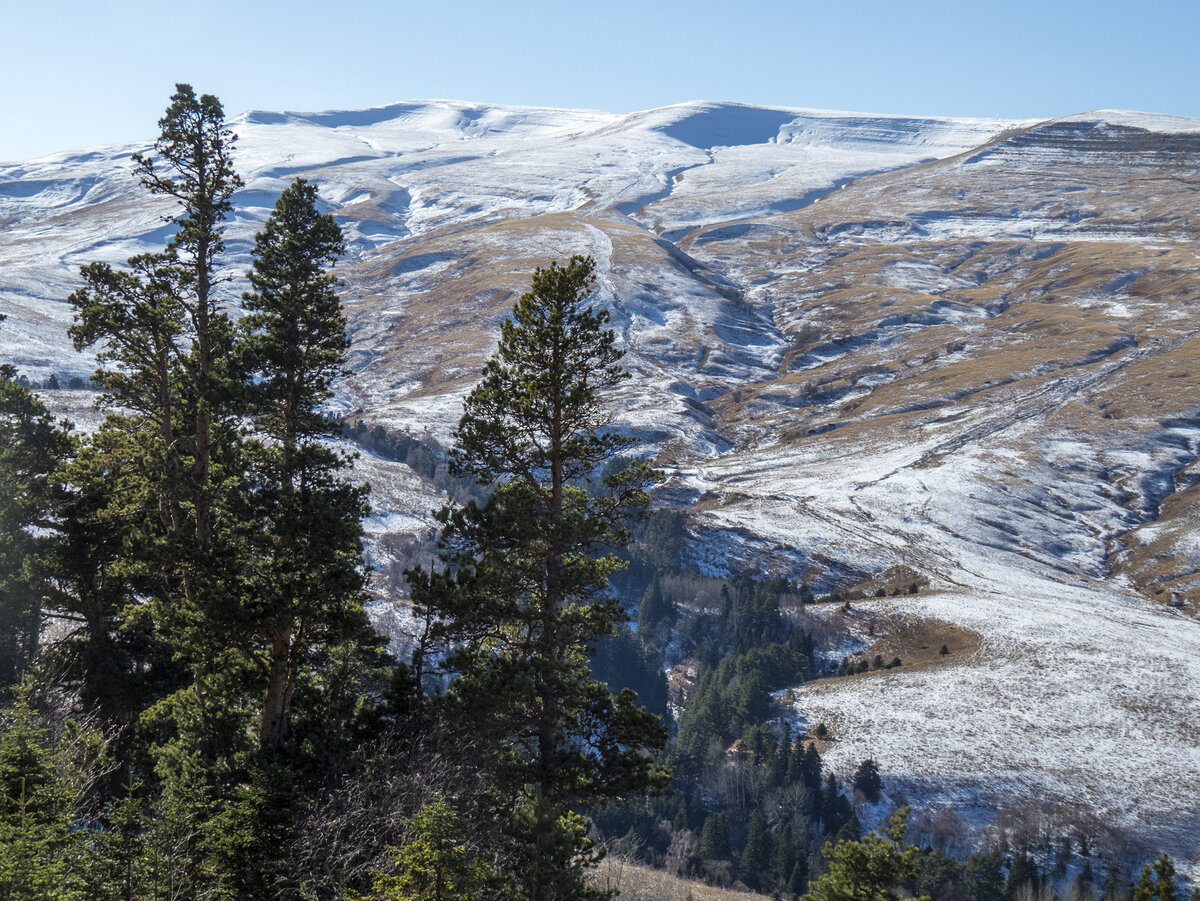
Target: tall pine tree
{"points": [[166, 348], [31, 447], [305, 594], [523, 592]]}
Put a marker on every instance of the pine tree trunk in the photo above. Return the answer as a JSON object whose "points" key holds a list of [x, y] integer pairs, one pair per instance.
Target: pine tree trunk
{"points": [[277, 702]]}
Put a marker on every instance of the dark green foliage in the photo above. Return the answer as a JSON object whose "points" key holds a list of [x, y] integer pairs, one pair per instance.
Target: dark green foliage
{"points": [[1156, 882], [868, 870], [867, 781], [984, 874], [622, 662], [736, 694], [757, 854], [122, 866], [167, 363], [804, 766], [1021, 872], [35, 811], [653, 609], [940, 877], [659, 539], [211, 547], [30, 447], [714, 838], [523, 593], [836, 810], [305, 581]]}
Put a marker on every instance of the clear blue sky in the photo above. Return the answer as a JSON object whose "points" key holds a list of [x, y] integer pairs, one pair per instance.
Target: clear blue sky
{"points": [[75, 73]]}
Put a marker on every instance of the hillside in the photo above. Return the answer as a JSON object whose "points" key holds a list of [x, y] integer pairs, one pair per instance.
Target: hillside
{"points": [[968, 346]]}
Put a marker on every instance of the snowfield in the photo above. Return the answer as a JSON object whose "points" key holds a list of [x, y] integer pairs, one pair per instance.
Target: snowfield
{"points": [[968, 346]]}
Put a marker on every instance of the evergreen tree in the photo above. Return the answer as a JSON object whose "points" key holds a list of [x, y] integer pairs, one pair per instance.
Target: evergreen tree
{"points": [[435, 863], [1157, 882], [940, 876], [35, 812], [985, 877], [653, 609], [871, 869], [121, 867], [714, 838], [756, 855], [523, 594], [305, 594], [166, 355], [787, 855], [836, 810], [215, 548], [867, 781], [194, 167], [777, 765], [31, 447]]}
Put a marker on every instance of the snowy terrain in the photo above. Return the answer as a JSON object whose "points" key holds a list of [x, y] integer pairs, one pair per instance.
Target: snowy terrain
{"points": [[968, 346]]}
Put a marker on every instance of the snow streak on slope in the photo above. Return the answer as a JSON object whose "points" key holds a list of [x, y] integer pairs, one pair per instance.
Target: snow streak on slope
{"points": [[413, 168]]}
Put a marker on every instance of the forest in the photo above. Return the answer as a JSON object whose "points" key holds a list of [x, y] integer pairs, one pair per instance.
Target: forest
{"points": [[197, 707]]}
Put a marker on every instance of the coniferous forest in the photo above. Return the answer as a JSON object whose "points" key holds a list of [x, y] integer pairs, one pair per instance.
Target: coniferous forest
{"points": [[197, 707]]}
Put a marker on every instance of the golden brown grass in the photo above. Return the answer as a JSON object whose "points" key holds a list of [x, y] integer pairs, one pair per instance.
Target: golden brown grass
{"points": [[642, 883]]}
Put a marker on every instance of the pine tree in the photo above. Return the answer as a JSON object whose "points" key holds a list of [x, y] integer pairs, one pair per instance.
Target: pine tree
{"points": [[217, 551], [985, 877], [786, 856], [305, 594], [714, 838], [868, 870], [435, 862], [194, 167], [35, 812], [1157, 882], [653, 609], [166, 351], [31, 447], [523, 594], [867, 781], [756, 856]]}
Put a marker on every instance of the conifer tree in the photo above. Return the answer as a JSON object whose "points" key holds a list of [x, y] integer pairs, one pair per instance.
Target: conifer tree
{"points": [[217, 547], [166, 350], [1157, 882], [305, 594], [871, 869], [523, 593], [653, 609], [35, 811], [194, 167], [435, 862], [31, 447], [867, 781], [714, 838], [756, 856]]}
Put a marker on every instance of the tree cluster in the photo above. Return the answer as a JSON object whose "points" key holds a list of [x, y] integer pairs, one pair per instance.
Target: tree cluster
{"points": [[214, 717]]}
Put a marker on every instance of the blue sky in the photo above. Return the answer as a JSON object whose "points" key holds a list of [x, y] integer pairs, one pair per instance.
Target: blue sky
{"points": [[73, 74]]}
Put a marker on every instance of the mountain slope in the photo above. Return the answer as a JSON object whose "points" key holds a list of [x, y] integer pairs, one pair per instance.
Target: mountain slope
{"points": [[969, 346]]}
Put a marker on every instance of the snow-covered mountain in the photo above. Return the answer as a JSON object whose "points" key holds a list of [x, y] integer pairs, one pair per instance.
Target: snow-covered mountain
{"points": [[970, 346]]}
